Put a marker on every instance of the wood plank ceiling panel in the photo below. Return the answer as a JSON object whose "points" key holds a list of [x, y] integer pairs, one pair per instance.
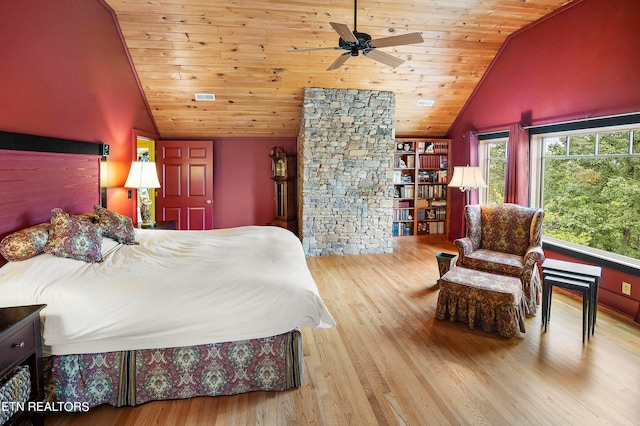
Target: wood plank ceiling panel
{"points": [[238, 50]]}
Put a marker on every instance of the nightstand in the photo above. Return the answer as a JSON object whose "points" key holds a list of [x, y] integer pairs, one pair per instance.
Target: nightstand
{"points": [[21, 344], [165, 224]]}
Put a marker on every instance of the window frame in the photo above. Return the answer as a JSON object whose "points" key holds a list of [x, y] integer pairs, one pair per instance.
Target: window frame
{"points": [[536, 188], [485, 163]]}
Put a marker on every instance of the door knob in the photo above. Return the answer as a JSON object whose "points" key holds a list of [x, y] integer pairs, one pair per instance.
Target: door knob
{"points": [[209, 201]]}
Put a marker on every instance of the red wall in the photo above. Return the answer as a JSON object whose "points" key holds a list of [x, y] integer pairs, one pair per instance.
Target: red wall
{"points": [[243, 191], [582, 61], [65, 73]]}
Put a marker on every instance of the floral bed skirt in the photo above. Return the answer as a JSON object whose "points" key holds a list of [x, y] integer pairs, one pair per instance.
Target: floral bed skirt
{"points": [[494, 302], [134, 377]]}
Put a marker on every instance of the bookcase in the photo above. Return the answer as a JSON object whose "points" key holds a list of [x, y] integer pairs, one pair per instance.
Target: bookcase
{"points": [[421, 175]]}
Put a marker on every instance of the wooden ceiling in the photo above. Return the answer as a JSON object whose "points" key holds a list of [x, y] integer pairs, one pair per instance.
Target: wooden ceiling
{"points": [[239, 51]]}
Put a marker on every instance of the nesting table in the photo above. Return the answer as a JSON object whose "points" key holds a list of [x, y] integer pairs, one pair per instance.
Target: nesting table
{"points": [[572, 276]]}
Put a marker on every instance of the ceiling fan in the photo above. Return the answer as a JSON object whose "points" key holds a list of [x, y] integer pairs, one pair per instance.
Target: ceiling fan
{"points": [[355, 42]]}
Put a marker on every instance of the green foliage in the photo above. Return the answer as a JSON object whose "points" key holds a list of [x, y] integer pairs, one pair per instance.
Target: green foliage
{"points": [[498, 170], [594, 201]]}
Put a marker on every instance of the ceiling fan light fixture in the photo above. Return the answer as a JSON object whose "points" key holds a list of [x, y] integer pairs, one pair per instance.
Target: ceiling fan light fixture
{"points": [[355, 42]]}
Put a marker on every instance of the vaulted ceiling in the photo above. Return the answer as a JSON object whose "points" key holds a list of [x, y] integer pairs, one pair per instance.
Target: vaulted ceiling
{"points": [[239, 51]]}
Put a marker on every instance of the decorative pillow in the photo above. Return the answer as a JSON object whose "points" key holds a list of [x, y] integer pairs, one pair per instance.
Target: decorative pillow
{"points": [[115, 226], [91, 217], [26, 243], [74, 238]]}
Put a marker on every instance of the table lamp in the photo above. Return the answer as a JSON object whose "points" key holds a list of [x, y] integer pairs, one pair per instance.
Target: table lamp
{"points": [[142, 176]]}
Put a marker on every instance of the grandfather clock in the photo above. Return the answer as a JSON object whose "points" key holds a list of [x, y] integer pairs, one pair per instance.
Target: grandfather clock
{"points": [[283, 174]]}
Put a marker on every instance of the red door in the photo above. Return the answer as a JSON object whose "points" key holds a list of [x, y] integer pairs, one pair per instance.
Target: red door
{"points": [[186, 179]]}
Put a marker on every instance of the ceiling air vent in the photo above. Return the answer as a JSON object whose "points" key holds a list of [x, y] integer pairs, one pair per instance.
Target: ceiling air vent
{"points": [[425, 102], [205, 97]]}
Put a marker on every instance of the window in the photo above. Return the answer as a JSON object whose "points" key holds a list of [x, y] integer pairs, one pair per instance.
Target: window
{"points": [[588, 183], [493, 161]]}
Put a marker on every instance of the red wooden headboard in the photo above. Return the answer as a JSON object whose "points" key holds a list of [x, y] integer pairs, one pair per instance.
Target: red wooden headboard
{"points": [[33, 183]]}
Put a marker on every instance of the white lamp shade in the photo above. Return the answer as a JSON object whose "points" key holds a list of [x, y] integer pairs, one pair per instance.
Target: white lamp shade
{"points": [[467, 178], [143, 174]]}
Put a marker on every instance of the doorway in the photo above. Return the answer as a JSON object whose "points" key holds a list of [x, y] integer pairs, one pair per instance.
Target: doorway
{"points": [[146, 151], [186, 175]]}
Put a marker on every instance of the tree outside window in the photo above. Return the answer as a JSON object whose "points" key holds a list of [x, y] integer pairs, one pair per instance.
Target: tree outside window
{"points": [[591, 190], [493, 161]]}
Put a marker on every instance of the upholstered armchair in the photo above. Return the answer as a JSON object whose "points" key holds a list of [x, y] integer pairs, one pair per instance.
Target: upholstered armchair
{"points": [[505, 239]]}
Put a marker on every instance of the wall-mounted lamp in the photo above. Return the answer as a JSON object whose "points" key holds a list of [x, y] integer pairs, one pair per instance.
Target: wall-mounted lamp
{"points": [[142, 176], [467, 178]]}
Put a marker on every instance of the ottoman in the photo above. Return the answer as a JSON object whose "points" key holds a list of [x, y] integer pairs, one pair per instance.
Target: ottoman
{"points": [[478, 298]]}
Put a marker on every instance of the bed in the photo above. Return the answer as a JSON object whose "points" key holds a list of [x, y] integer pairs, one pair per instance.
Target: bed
{"points": [[171, 315]]}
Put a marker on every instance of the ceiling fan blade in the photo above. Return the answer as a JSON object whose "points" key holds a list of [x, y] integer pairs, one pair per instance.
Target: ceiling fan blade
{"points": [[398, 40], [385, 58], [338, 62], [344, 32], [309, 49]]}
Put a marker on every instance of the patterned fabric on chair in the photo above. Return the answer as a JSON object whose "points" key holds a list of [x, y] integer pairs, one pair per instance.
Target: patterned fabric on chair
{"points": [[505, 239]]}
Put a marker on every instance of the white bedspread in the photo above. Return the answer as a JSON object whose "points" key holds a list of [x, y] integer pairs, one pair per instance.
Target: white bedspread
{"points": [[177, 288]]}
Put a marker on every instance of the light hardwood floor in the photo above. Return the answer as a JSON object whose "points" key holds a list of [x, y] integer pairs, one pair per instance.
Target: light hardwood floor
{"points": [[390, 362]]}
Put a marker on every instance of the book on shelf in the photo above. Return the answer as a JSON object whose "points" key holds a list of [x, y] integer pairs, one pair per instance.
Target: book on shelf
{"points": [[422, 203], [399, 177], [433, 176], [432, 191], [406, 191], [427, 227], [436, 227], [403, 214], [440, 147], [431, 213], [433, 161], [402, 229], [431, 228]]}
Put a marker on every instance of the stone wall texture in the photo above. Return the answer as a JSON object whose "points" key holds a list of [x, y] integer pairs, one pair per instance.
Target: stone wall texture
{"points": [[346, 146]]}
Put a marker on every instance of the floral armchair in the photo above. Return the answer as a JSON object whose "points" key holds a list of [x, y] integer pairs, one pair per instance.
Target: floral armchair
{"points": [[505, 239]]}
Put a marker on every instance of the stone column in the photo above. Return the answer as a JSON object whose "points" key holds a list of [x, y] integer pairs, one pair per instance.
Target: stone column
{"points": [[346, 146]]}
